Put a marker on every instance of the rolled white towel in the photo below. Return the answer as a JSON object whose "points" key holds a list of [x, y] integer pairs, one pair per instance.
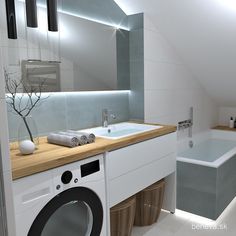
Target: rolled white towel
{"points": [[63, 140], [90, 136], [82, 139]]}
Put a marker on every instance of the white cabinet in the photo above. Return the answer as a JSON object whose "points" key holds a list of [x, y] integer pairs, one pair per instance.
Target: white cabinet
{"points": [[133, 168]]}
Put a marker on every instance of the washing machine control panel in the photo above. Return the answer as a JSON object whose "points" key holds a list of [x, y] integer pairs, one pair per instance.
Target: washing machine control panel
{"points": [[90, 168], [78, 173], [66, 177]]}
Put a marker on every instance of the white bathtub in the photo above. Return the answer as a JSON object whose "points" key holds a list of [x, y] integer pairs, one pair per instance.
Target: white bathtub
{"points": [[206, 177], [212, 152]]}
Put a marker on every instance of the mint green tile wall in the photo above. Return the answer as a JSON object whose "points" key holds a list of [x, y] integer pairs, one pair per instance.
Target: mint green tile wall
{"points": [[73, 111], [83, 110], [123, 59], [136, 51]]}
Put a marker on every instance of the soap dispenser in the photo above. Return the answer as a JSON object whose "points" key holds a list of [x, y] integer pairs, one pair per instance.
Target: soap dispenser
{"points": [[231, 123]]}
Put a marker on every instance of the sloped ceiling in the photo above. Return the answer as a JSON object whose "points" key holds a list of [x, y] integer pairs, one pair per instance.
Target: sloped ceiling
{"points": [[105, 10], [204, 34]]}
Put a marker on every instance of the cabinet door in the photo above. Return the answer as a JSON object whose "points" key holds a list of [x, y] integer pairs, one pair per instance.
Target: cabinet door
{"points": [[131, 183], [126, 159], [133, 168]]}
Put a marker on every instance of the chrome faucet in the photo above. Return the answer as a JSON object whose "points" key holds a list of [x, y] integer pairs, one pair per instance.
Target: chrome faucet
{"points": [[105, 117]]}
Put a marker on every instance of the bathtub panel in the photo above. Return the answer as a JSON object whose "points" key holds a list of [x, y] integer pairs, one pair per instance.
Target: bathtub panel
{"points": [[196, 189], [226, 184], [201, 178], [196, 202]]}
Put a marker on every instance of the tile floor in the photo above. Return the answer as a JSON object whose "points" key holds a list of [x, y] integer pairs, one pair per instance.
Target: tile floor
{"points": [[182, 224]]}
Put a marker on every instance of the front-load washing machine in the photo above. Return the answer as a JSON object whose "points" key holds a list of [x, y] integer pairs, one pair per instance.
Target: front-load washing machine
{"points": [[66, 201]]}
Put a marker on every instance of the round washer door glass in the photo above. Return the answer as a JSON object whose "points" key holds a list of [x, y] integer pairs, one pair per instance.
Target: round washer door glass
{"points": [[73, 219], [74, 212]]}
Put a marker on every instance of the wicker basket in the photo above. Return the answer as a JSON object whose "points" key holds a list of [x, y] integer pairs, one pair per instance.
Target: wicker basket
{"points": [[149, 204], [122, 217]]}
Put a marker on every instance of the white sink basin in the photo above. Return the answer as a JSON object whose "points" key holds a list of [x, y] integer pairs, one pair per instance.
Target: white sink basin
{"points": [[121, 130]]}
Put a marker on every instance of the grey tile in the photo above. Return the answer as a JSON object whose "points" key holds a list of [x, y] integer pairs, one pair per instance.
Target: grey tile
{"points": [[137, 104], [135, 21], [204, 190], [13, 124], [136, 44], [122, 40], [73, 111], [49, 116], [123, 60], [226, 184], [201, 178], [84, 111], [196, 189], [137, 68], [196, 202], [137, 75]]}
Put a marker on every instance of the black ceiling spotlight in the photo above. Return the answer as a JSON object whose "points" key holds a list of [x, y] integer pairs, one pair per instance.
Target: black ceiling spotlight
{"points": [[52, 15], [11, 19], [31, 13]]}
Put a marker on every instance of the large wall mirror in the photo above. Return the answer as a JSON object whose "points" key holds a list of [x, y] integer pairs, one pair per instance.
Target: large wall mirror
{"points": [[99, 54], [90, 56]]}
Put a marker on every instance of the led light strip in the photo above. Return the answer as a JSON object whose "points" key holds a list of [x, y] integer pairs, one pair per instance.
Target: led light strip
{"points": [[117, 26], [84, 92]]}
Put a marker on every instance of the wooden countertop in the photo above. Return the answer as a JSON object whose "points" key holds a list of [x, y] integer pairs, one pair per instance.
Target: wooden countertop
{"points": [[49, 156], [224, 128]]}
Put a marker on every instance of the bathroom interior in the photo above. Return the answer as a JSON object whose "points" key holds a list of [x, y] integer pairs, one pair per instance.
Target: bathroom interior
{"points": [[118, 117]]}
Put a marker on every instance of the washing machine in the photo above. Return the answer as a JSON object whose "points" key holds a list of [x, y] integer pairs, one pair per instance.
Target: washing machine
{"points": [[64, 201]]}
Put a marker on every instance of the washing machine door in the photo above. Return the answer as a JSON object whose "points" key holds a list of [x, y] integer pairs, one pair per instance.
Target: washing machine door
{"points": [[74, 212]]}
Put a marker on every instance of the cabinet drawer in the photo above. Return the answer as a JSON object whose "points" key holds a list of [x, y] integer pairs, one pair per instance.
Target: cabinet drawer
{"points": [[135, 181], [124, 160]]}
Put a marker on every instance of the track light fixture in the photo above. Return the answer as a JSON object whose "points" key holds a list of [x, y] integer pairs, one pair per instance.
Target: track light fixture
{"points": [[11, 19], [31, 13], [31, 16], [52, 15]]}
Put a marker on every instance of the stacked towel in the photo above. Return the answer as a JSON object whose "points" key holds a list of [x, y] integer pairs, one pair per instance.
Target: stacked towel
{"points": [[71, 138], [82, 139], [89, 136], [64, 140]]}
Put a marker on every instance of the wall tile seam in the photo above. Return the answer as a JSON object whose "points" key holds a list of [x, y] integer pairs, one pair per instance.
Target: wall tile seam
{"points": [[176, 114], [17, 47], [190, 89], [136, 60], [182, 62], [158, 113], [146, 59], [165, 62], [146, 28], [147, 23], [170, 115], [171, 47]]}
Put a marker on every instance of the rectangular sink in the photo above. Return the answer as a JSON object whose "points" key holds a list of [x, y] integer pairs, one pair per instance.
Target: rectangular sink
{"points": [[121, 130]]}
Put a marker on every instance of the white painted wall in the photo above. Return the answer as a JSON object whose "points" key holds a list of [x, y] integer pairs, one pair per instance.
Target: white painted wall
{"points": [[225, 113], [203, 33], [170, 88]]}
